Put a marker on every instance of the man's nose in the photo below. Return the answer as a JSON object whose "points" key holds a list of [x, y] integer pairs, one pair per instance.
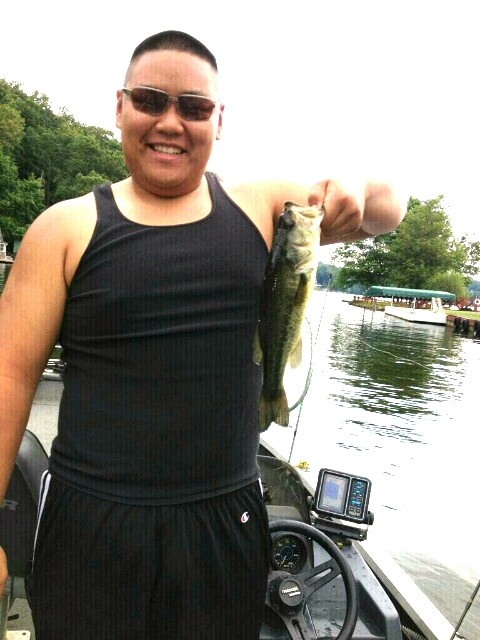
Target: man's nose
{"points": [[170, 118]]}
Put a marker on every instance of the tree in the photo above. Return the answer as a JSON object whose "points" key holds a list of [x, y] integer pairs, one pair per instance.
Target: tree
{"points": [[86, 151], [474, 289], [424, 245], [20, 200], [80, 185], [365, 262], [449, 281], [472, 250], [11, 127], [324, 274], [422, 250], [46, 157]]}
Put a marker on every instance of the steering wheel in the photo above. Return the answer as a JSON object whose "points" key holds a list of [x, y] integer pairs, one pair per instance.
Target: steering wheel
{"points": [[287, 593]]}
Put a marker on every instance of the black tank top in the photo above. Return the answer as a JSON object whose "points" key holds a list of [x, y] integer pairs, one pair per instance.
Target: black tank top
{"points": [[160, 389]]}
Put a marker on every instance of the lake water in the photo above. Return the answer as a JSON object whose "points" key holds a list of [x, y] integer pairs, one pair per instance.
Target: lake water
{"points": [[398, 403]]}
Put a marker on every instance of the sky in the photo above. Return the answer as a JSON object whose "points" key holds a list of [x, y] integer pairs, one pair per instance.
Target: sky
{"points": [[312, 89]]}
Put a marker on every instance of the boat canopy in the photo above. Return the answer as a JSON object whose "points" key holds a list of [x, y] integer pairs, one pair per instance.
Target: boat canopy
{"points": [[398, 292]]}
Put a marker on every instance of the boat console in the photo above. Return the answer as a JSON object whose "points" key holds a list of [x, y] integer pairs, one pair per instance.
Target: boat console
{"points": [[319, 585]]}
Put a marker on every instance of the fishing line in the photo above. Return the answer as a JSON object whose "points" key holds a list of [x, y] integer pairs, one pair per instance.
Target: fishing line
{"points": [[309, 373], [467, 609], [399, 358], [308, 380], [299, 402]]}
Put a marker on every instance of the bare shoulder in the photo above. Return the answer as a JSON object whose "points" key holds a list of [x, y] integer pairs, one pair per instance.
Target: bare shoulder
{"points": [[263, 201], [64, 230], [32, 302], [63, 219]]}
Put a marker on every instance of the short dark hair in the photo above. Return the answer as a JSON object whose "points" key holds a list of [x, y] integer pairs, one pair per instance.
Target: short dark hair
{"points": [[174, 41]]}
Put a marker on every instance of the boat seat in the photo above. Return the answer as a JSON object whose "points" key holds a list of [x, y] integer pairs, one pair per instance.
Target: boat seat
{"points": [[18, 512]]}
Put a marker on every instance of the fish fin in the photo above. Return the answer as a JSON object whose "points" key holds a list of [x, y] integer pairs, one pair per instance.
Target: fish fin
{"points": [[295, 357], [257, 347], [273, 410], [303, 290]]}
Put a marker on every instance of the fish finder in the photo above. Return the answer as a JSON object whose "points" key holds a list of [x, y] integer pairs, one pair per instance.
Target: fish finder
{"points": [[342, 495]]}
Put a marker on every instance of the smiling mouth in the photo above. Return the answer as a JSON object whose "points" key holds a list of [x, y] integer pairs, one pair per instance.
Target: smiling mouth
{"points": [[161, 148]]}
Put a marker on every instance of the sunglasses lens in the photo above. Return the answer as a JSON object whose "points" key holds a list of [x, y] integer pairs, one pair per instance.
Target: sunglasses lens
{"points": [[195, 107], [149, 101], [154, 102]]}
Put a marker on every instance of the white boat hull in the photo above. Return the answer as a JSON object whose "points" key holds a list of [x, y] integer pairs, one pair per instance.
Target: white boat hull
{"points": [[422, 316]]}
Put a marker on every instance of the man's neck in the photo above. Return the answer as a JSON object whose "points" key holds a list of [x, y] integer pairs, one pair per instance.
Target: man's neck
{"points": [[144, 207]]}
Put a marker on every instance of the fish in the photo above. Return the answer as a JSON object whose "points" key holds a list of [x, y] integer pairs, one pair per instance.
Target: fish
{"points": [[288, 282]]}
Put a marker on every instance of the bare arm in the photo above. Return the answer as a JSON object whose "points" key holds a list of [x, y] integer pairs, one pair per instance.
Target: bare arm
{"points": [[31, 309], [352, 212]]}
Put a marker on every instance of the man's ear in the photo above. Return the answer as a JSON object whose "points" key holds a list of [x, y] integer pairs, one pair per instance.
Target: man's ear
{"points": [[118, 112], [220, 122]]}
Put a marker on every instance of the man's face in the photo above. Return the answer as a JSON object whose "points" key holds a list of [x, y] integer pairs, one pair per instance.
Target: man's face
{"points": [[166, 154]]}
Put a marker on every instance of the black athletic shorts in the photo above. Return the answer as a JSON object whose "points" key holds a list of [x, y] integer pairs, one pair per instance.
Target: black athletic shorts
{"points": [[109, 571]]}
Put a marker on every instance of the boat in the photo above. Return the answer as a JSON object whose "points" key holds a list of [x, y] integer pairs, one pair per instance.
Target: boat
{"points": [[53, 369], [420, 312], [326, 580]]}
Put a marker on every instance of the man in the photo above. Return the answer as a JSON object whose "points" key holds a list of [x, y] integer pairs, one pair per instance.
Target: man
{"points": [[152, 523]]}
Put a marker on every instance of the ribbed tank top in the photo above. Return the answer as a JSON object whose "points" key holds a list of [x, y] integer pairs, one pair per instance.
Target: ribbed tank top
{"points": [[160, 389]]}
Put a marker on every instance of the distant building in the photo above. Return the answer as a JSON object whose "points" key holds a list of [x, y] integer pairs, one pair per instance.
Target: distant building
{"points": [[3, 250]]}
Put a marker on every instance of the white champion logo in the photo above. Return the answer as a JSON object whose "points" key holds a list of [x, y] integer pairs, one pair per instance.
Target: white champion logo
{"points": [[245, 517]]}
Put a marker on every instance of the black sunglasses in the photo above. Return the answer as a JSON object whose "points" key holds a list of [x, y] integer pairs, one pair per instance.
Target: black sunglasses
{"points": [[155, 102]]}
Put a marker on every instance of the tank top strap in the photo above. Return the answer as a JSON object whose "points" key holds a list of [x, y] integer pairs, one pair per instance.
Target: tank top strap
{"points": [[107, 209]]}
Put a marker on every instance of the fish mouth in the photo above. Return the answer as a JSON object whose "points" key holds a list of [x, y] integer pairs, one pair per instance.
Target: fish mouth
{"points": [[311, 211], [304, 217]]}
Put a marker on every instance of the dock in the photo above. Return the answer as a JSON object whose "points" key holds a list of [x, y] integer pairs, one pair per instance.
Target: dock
{"points": [[465, 326], [422, 316], [413, 305]]}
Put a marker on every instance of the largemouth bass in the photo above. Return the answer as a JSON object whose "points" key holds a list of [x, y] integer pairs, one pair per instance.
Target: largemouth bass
{"points": [[288, 283]]}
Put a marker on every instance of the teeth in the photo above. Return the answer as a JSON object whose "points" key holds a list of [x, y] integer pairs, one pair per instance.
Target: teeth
{"points": [[164, 149]]}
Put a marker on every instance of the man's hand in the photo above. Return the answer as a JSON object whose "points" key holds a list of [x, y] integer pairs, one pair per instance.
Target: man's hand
{"points": [[343, 209]]}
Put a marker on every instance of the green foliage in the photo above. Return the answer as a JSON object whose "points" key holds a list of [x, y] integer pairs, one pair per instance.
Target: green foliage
{"points": [[45, 158], [421, 253], [324, 274], [424, 245], [8, 178], [364, 262], [80, 185], [474, 289], [20, 200], [11, 127], [449, 281], [11, 230]]}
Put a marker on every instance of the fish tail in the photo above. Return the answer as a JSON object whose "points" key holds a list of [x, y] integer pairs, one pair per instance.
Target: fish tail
{"points": [[273, 410]]}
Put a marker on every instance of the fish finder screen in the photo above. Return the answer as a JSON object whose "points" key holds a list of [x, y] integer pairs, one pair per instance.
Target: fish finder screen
{"points": [[343, 495], [334, 493]]}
